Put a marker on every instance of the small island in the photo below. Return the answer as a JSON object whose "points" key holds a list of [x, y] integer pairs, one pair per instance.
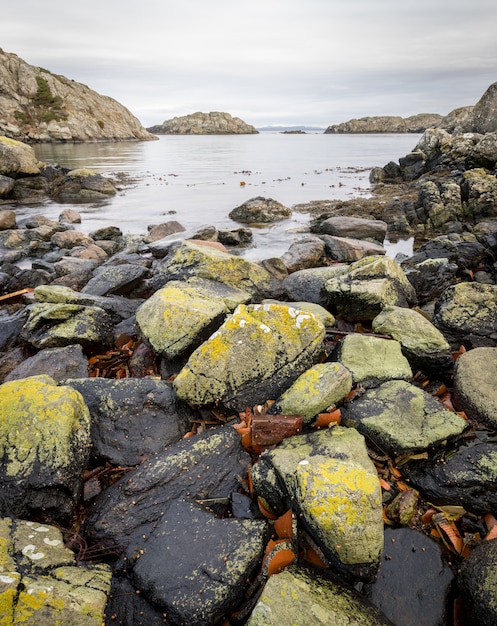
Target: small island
{"points": [[214, 123]]}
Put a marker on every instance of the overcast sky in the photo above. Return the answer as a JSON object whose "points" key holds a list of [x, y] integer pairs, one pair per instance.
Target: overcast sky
{"points": [[286, 62]]}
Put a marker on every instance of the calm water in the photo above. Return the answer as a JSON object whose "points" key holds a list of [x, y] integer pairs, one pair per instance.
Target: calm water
{"points": [[196, 179]]}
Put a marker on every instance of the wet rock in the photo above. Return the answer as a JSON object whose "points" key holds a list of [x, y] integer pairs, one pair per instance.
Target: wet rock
{"points": [[348, 250], [10, 360], [163, 230], [477, 583], [260, 209], [70, 239], [84, 185], [463, 250], [7, 217], [475, 376], [314, 391], [372, 360], [11, 325], [41, 582], [131, 419], [181, 315], [189, 260], [301, 596], [6, 186], [58, 363], [354, 228], [194, 566], [125, 606], [422, 343], [235, 236], [45, 438], [115, 280], [308, 285], [70, 216], [399, 418], [465, 477], [330, 481], [304, 254], [255, 355], [109, 233], [430, 277], [415, 582], [361, 290], [466, 314], [57, 325], [201, 467]]}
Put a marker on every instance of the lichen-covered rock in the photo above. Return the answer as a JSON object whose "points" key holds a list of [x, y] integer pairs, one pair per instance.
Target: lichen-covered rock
{"points": [[57, 325], [195, 566], [17, 158], [475, 377], [466, 313], [361, 290], [317, 389], [260, 209], [422, 343], [301, 596], [308, 285], [255, 355], [44, 443], [40, 582], [372, 359], [190, 259], [330, 480], [181, 314], [399, 417], [479, 188], [325, 317], [478, 584]]}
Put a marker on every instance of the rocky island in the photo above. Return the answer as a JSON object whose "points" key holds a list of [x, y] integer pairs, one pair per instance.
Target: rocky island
{"points": [[214, 123], [386, 124], [39, 106]]}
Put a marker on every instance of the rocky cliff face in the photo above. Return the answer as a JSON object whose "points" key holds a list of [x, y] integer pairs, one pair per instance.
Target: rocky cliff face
{"points": [[387, 124], [38, 106], [213, 123], [483, 116]]}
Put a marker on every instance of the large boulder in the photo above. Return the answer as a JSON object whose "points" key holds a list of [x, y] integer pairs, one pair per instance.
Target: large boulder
{"points": [[475, 376], [17, 158], [354, 228], [45, 443], [477, 583], [258, 210], [254, 356]]}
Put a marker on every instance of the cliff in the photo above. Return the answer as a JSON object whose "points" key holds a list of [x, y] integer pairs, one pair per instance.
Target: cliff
{"points": [[213, 123], [386, 124], [38, 106]]}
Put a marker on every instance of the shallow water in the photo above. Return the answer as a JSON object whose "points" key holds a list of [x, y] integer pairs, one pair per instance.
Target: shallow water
{"points": [[197, 180]]}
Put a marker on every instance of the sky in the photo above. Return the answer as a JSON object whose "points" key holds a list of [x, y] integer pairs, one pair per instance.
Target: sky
{"points": [[269, 62]]}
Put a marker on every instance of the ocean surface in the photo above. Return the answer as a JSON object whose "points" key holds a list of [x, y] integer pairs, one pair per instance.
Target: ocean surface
{"points": [[198, 180]]}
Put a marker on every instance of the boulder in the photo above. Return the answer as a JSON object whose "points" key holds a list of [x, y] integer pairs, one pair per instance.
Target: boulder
{"points": [[361, 290], [475, 376], [300, 596], [260, 209], [372, 360], [163, 230], [483, 115], [116, 279], [70, 239], [254, 356], [195, 567], [308, 285], [58, 363], [6, 186], [84, 185], [422, 343], [466, 314], [314, 391], [45, 438], [354, 228], [41, 582], [17, 158], [400, 418], [149, 418], [477, 583], [348, 250], [181, 315], [479, 191], [430, 277], [304, 253]]}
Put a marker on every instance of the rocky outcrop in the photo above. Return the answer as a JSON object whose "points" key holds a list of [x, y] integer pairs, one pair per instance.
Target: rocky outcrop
{"points": [[38, 106], [214, 123], [482, 117], [386, 124]]}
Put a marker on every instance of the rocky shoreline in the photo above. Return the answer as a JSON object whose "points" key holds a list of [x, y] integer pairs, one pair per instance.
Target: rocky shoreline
{"points": [[192, 438]]}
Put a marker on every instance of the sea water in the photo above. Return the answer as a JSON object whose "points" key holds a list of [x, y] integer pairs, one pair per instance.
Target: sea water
{"points": [[198, 180]]}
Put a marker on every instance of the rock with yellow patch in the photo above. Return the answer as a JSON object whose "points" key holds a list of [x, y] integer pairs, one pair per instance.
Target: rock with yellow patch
{"points": [[190, 259], [40, 582], [17, 158], [301, 596], [179, 316], [314, 391], [44, 446], [254, 356], [332, 483], [364, 288], [372, 359]]}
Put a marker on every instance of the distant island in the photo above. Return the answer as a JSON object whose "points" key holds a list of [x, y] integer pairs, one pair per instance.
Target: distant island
{"points": [[214, 123], [387, 124]]}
